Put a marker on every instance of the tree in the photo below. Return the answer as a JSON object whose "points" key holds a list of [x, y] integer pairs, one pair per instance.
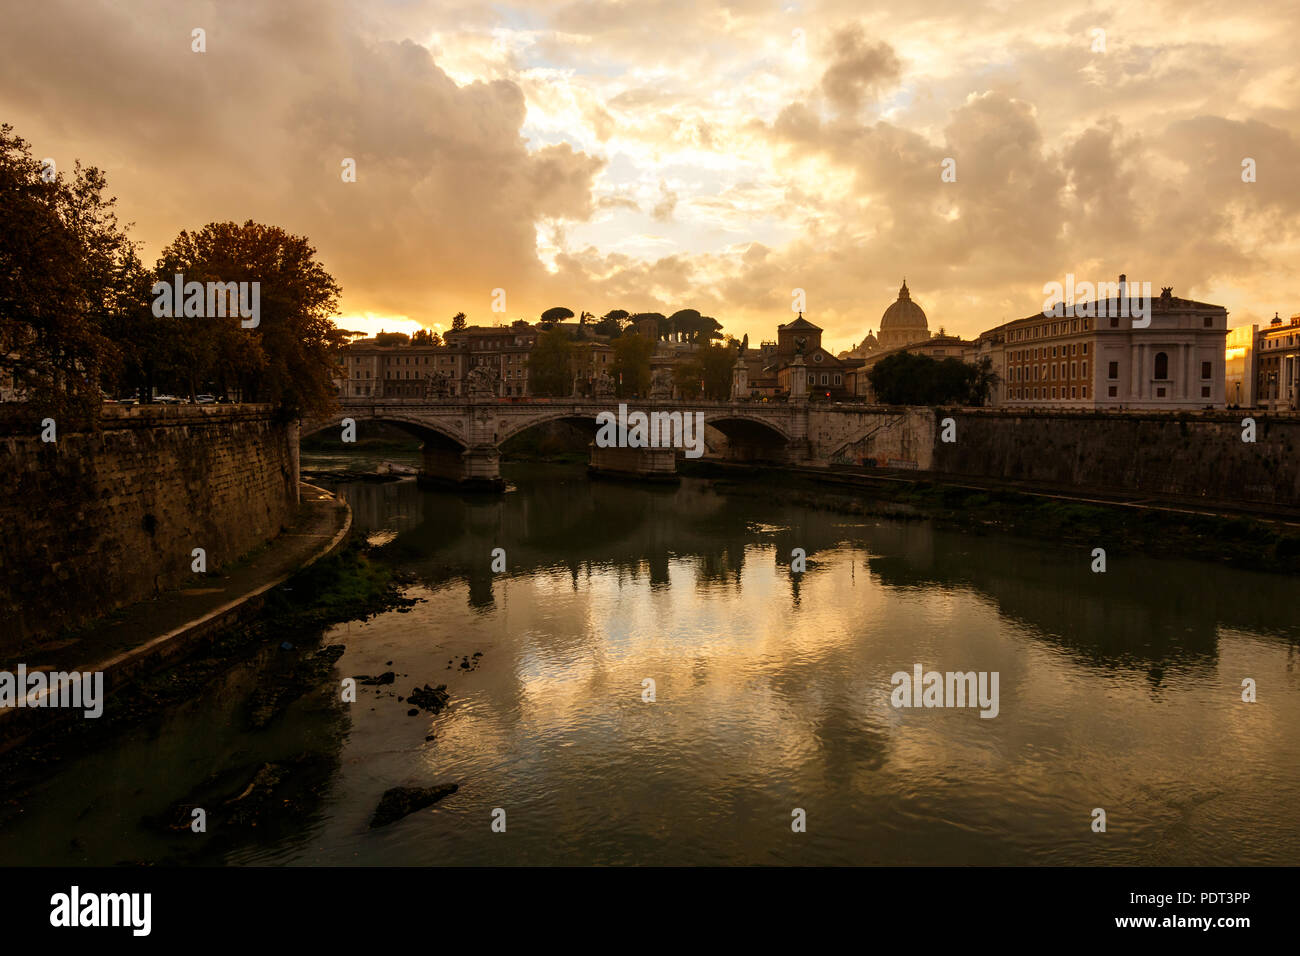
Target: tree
{"points": [[69, 279], [548, 364], [612, 323], [710, 328], [426, 337], [711, 366], [557, 314], [458, 322], [631, 367], [909, 379], [983, 382], [288, 358]]}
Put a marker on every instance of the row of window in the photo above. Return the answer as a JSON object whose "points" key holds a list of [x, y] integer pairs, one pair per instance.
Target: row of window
{"points": [[1161, 368], [1025, 355], [1021, 373], [1076, 392], [812, 379], [1042, 330]]}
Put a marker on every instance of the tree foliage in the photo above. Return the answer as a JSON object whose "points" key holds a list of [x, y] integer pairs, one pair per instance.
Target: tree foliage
{"points": [[632, 365], [910, 379], [706, 373], [548, 364], [70, 282], [76, 310], [288, 358], [557, 314], [612, 323]]}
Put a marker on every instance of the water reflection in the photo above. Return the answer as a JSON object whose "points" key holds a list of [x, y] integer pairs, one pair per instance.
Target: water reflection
{"points": [[771, 693], [1142, 613]]}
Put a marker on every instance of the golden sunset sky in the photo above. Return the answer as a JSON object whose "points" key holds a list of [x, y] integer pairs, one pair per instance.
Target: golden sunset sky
{"points": [[665, 154]]}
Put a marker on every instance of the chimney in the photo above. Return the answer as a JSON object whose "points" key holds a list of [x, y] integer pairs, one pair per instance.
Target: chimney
{"points": [[1123, 286]]}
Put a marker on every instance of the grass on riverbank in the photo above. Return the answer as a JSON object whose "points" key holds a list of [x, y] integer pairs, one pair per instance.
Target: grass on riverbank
{"points": [[350, 584]]}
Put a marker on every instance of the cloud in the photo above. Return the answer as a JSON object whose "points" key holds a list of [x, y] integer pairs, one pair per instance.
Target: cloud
{"points": [[687, 153], [858, 69]]}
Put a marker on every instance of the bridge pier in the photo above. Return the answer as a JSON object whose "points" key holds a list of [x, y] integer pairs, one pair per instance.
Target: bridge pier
{"points": [[641, 464], [469, 469]]}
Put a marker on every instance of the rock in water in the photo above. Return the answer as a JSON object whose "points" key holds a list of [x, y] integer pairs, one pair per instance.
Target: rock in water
{"points": [[401, 801], [432, 699]]}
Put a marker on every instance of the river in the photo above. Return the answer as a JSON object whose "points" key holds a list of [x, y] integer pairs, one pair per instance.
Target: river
{"points": [[772, 694]]}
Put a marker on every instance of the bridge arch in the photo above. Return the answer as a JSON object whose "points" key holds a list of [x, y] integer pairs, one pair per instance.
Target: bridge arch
{"points": [[430, 431], [751, 437]]}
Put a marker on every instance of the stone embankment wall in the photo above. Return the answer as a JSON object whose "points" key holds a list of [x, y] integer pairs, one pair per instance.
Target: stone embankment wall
{"points": [[97, 520], [1196, 455]]}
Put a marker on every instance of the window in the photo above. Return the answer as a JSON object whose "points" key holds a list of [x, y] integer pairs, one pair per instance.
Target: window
{"points": [[1205, 370], [1209, 321], [824, 381], [1085, 348], [1162, 367], [1160, 393], [1085, 391], [1205, 391], [1053, 391], [1112, 391], [837, 380], [817, 358], [1114, 321]]}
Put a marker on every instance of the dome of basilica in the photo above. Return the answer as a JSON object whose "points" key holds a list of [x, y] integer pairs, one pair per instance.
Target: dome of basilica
{"points": [[903, 323], [904, 313]]}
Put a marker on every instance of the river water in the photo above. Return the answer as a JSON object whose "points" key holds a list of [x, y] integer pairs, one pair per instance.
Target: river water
{"points": [[1120, 691]]}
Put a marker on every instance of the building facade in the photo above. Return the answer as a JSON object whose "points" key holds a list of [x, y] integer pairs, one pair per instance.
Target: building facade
{"points": [[827, 377], [1277, 365], [1096, 358], [1239, 366]]}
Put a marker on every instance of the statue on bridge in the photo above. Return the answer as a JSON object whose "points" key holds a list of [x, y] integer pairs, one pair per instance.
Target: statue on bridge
{"points": [[437, 385], [481, 382], [602, 386], [661, 386]]}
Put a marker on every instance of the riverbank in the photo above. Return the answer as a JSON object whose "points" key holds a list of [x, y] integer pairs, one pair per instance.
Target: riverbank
{"points": [[282, 641], [1158, 529], [145, 637]]}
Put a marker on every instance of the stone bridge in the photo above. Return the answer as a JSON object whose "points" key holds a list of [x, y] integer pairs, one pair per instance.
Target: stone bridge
{"points": [[462, 437]]}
